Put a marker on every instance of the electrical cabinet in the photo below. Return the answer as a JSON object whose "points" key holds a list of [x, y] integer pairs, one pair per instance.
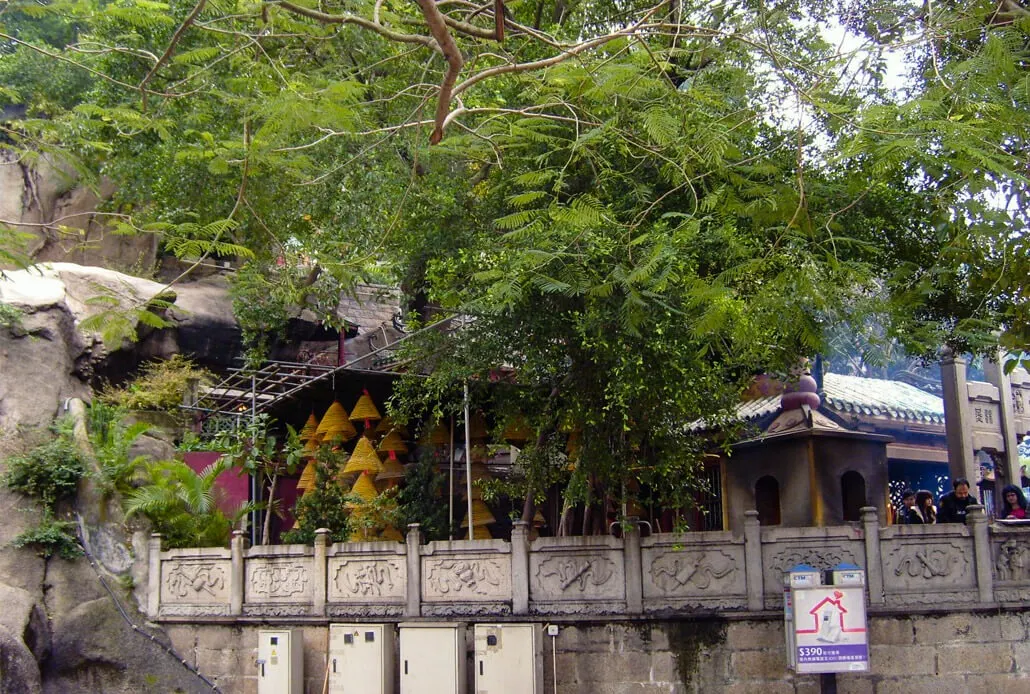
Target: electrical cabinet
{"points": [[432, 658], [280, 661], [509, 658], [361, 659]]}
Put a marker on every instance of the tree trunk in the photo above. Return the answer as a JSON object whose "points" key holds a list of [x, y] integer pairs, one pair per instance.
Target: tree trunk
{"points": [[266, 530]]}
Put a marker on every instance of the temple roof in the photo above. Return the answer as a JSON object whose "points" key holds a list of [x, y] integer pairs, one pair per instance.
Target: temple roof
{"points": [[857, 396]]}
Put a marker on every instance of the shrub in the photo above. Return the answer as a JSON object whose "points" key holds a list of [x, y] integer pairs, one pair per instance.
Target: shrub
{"points": [[49, 472], [161, 385], [50, 537]]}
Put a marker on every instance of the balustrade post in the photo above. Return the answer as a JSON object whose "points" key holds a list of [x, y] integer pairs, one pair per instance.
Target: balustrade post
{"points": [[632, 562], [154, 576], [413, 588], [520, 567], [873, 562], [237, 574], [976, 519], [753, 561], [321, 571]]}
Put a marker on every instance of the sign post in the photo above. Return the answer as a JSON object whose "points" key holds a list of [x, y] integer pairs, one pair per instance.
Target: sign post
{"points": [[830, 632]]}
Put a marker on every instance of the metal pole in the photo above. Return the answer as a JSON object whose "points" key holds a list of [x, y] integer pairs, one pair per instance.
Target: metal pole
{"points": [[450, 483], [468, 459], [828, 683], [255, 514]]}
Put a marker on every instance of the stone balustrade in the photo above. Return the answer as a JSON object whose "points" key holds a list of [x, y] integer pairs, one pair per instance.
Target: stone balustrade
{"points": [[908, 568]]}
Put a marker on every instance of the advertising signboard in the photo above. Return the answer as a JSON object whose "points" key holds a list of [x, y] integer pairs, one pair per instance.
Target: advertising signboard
{"points": [[830, 629]]}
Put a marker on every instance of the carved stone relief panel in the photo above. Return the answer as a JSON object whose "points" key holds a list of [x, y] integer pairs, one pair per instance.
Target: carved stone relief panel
{"points": [[466, 579], [367, 580], [780, 557], [1012, 561], [194, 611], [195, 582], [708, 571], [278, 580], [276, 610], [580, 576], [928, 566]]}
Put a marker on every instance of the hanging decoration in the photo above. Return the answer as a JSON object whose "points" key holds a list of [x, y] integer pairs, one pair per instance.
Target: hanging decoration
{"points": [[363, 459], [308, 431], [365, 411], [307, 477], [386, 425], [335, 426]]}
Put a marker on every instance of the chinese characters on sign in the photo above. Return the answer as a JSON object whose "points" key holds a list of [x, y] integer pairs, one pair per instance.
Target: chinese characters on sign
{"points": [[830, 629]]}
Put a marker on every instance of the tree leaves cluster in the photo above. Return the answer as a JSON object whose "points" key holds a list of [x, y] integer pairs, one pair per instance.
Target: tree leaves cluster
{"points": [[630, 206]]}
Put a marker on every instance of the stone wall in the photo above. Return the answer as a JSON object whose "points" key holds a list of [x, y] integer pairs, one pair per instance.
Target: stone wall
{"points": [[961, 653], [664, 575]]}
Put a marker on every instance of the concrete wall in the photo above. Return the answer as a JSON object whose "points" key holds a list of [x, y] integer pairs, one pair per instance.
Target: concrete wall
{"points": [[961, 652]]}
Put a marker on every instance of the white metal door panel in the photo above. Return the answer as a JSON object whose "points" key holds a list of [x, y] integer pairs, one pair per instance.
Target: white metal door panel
{"points": [[275, 670], [506, 658], [359, 659], [432, 659]]}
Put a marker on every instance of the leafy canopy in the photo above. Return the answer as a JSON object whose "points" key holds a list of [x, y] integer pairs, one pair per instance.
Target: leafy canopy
{"points": [[631, 205]]}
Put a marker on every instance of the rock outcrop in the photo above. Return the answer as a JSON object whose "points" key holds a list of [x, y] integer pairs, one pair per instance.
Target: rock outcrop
{"points": [[61, 630]]}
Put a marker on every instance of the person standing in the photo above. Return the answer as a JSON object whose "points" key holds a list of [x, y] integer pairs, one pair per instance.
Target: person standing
{"points": [[953, 505], [922, 511], [908, 500], [1015, 502]]}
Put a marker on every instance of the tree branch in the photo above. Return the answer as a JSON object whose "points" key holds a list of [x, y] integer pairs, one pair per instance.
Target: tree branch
{"points": [[438, 28], [359, 21], [197, 9]]}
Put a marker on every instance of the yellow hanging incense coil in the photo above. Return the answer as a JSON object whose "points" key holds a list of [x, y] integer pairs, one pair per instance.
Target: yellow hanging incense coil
{"points": [[335, 425], [392, 443], [365, 411], [307, 432], [386, 425], [363, 459], [307, 477], [364, 488], [392, 473], [481, 515]]}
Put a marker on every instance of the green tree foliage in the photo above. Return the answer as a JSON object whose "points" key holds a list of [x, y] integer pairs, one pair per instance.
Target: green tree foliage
{"points": [[325, 505], [630, 206], [420, 500], [255, 449]]}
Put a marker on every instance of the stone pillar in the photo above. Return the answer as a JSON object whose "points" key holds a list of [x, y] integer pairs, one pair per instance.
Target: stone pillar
{"points": [[753, 561], [154, 576], [976, 519], [321, 571], [957, 424], [413, 588], [997, 377], [237, 573], [520, 567], [632, 562], [873, 564]]}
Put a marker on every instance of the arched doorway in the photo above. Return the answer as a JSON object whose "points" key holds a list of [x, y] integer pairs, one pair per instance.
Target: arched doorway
{"points": [[767, 500]]}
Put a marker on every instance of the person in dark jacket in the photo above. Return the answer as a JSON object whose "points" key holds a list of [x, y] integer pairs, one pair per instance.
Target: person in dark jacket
{"points": [[953, 505], [1014, 502], [908, 500]]}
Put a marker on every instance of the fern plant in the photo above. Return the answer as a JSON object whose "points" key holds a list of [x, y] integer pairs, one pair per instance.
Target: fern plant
{"points": [[182, 504], [112, 441]]}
